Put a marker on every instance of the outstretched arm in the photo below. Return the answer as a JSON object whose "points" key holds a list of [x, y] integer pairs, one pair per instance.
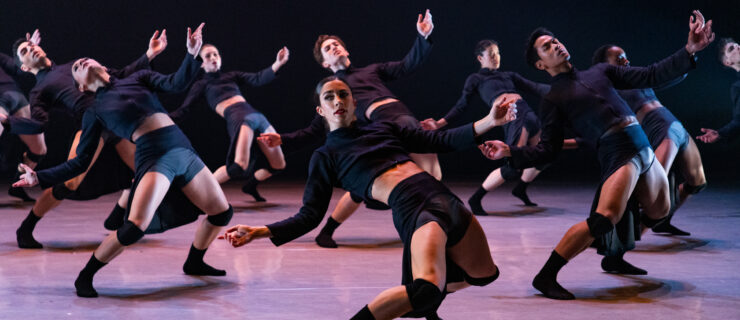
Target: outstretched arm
{"points": [[415, 58], [423, 141], [469, 90], [700, 36]]}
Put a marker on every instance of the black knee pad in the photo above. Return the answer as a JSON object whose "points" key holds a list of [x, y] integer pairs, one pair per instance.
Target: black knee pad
{"points": [[480, 282], [235, 171], [222, 218], [18, 125], [509, 173], [60, 191], [35, 157], [598, 224], [424, 296], [129, 233], [648, 222], [693, 189], [355, 198], [273, 171]]}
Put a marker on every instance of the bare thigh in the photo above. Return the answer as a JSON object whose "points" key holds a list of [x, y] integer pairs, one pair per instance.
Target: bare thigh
{"points": [[243, 145], [274, 155], [652, 192], [472, 253], [666, 153], [148, 194], [691, 165], [205, 193], [616, 190], [428, 254], [126, 150]]}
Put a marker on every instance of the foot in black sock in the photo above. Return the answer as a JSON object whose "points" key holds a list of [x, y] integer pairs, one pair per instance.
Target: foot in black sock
{"points": [[551, 288], [84, 282], [670, 229], [201, 269], [325, 240], [250, 188], [195, 266], [520, 191], [619, 266], [26, 240], [20, 193], [475, 202], [115, 218], [84, 287]]}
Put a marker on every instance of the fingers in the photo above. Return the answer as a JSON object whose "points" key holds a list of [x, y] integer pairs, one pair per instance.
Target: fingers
{"points": [[163, 36], [418, 20], [190, 33], [704, 130], [25, 167], [427, 16], [232, 229], [154, 36], [199, 30]]}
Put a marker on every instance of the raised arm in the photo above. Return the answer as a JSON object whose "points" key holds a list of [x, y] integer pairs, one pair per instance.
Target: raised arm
{"points": [[731, 129], [416, 57], [89, 139], [194, 97], [179, 80]]}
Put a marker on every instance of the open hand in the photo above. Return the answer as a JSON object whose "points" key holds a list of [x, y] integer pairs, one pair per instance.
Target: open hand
{"points": [[503, 111], [28, 178], [494, 149], [34, 38], [195, 40], [709, 136], [700, 33], [270, 139], [157, 44], [239, 235], [424, 24]]}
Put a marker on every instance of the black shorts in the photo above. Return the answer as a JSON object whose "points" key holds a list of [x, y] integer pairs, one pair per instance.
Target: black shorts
{"points": [[421, 199], [527, 119], [661, 124], [12, 101], [168, 151], [619, 148], [395, 112]]}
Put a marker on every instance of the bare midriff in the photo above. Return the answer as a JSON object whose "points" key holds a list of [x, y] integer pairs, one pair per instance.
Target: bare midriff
{"points": [[377, 104], [221, 106], [151, 123], [646, 108], [386, 181]]}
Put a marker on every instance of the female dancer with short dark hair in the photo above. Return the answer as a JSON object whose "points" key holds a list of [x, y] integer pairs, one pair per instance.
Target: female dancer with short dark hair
{"points": [[243, 122], [493, 85]]}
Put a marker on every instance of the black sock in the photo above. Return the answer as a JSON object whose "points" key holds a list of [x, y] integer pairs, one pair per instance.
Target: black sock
{"points": [[115, 218], [475, 201], [617, 264], [195, 265], [29, 223], [250, 188], [363, 314], [553, 265], [83, 284], [324, 239], [24, 234], [520, 191]]}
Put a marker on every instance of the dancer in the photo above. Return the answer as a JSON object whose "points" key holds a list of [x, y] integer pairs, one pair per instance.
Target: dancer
{"points": [[375, 102], [55, 89], [729, 56], [221, 92], [15, 112], [372, 161], [492, 85], [587, 101], [164, 159], [667, 137]]}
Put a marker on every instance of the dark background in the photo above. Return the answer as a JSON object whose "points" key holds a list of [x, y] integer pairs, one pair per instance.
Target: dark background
{"points": [[249, 33]]}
